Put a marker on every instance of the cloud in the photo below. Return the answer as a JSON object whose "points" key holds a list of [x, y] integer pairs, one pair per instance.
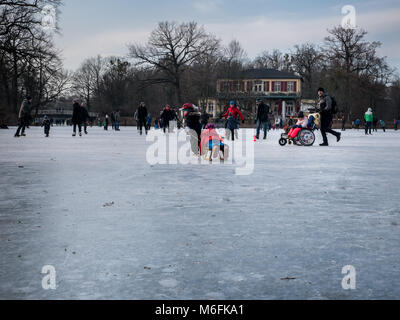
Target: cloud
{"points": [[111, 43], [207, 6], [265, 33], [255, 34]]}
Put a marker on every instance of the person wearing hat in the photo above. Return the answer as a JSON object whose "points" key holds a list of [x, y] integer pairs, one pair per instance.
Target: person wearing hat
{"points": [[262, 118], [325, 108], [77, 117], [369, 119], [192, 120], [142, 117], [46, 124], [167, 116], [24, 116], [235, 112]]}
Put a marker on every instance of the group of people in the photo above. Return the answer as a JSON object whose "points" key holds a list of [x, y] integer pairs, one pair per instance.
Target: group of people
{"points": [[196, 121], [80, 117]]}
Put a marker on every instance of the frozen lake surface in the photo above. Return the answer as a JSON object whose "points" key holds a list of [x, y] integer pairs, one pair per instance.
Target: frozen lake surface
{"points": [[115, 227]]}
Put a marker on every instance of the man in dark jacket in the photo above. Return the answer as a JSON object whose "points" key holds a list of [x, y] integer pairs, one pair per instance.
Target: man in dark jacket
{"points": [[166, 116], [24, 116], [325, 108], [142, 116], [85, 117], [77, 117], [192, 120], [262, 118]]}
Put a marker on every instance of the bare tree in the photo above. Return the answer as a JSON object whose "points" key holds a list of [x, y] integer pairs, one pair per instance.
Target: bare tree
{"points": [[87, 79], [306, 61], [171, 50], [354, 60]]}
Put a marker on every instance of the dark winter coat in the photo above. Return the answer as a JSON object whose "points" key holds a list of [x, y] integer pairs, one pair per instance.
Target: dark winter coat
{"points": [[25, 110], [325, 104], [85, 114], [231, 123], [142, 113], [263, 112], [167, 116], [204, 118], [77, 114], [193, 121]]}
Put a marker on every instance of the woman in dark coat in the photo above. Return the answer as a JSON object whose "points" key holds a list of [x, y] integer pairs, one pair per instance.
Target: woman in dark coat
{"points": [[77, 117]]}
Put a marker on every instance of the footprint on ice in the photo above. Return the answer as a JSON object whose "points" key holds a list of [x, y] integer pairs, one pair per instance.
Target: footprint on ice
{"points": [[168, 283]]}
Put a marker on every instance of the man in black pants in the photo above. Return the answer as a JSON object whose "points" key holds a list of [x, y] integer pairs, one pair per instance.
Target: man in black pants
{"points": [[24, 116], [85, 116], [142, 116], [77, 117], [262, 118], [325, 107]]}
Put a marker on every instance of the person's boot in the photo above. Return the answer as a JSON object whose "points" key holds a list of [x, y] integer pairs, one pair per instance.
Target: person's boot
{"points": [[74, 134], [339, 137], [265, 137], [258, 137], [80, 134], [23, 135], [17, 135], [325, 144]]}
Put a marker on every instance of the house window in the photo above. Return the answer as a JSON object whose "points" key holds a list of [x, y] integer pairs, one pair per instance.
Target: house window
{"points": [[290, 109], [278, 87], [290, 86], [258, 86], [211, 107]]}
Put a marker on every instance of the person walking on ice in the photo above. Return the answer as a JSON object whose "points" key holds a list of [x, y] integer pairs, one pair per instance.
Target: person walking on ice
{"points": [[262, 118], [234, 110], [23, 117], [77, 118], [142, 117], [46, 124], [369, 118], [327, 109]]}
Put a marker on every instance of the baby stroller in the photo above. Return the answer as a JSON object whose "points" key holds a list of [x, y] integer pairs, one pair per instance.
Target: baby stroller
{"points": [[306, 136]]}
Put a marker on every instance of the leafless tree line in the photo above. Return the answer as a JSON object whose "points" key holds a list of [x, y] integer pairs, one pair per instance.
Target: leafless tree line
{"points": [[29, 62], [181, 63]]}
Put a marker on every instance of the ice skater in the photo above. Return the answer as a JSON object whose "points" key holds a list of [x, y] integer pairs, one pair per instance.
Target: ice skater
{"points": [[77, 118], [192, 120], [24, 117], [142, 117], [234, 110], [46, 123], [383, 125], [262, 118], [85, 117], [369, 119]]}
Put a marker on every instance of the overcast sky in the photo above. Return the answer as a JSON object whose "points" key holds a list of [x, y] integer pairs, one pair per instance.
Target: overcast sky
{"points": [[91, 27]]}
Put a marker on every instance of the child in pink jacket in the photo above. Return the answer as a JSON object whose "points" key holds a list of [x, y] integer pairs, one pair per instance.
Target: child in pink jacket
{"points": [[301, 123]]}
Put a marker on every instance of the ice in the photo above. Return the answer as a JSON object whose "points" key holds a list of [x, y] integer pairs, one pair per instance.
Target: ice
{"points": [[115, 227]]}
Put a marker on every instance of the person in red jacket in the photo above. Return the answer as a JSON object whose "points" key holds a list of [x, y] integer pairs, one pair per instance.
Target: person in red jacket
{"points": [[235, 112]]}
